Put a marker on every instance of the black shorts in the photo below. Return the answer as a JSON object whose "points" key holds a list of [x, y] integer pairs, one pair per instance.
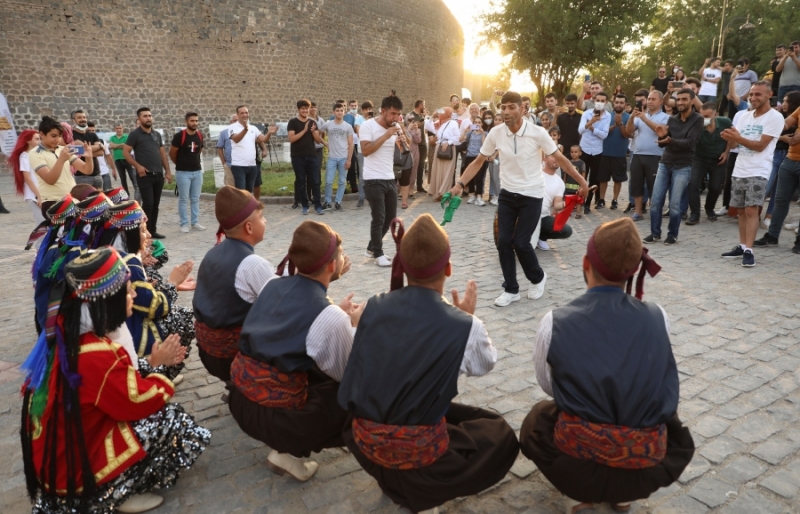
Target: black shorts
{"points": [[259, 180], [615, 168]]}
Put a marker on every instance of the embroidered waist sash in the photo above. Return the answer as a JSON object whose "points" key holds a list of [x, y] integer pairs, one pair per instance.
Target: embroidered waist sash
{"points": [[222, 343], [611, 445], [401, 447], [266, 386]]}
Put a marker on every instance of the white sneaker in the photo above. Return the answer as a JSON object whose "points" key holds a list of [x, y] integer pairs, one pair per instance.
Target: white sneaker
{"points": [[543, 246], [479, 202], [283, 463], [185, 229], [141, 503], [721, 212], [506, 299], [177, 380], [383, 262], [765, 223], [537, 290], [198, 226], [791, 226], [369, 254], [471, 199], [493, 201]]}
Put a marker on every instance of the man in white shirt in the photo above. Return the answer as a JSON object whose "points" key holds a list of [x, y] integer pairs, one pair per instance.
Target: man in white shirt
{"points": [[521, 144], [378, 137], [552, 204], [756, 134], [243, 149], [711, 76]]}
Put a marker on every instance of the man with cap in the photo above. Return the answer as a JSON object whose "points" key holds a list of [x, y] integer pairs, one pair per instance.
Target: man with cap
{"points": [[611, 432], [292, 354], [410, 348], [229, 279]]}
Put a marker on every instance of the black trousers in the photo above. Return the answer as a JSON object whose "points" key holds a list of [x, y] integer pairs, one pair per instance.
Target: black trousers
{"points": [[150, 187], [517, 217], [476, 184], [382, 198], [423, 156], [306, 177], [716, 173], [592, 173], [125, 171], [353, 172]]}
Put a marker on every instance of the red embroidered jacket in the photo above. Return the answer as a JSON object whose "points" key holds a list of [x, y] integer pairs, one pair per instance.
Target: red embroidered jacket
{"points": [[112, 394]]}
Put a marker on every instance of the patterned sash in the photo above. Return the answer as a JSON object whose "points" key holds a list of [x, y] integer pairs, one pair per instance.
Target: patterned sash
{"points": [[401, 447], [266, 386], [611, 445], [222, 343]]}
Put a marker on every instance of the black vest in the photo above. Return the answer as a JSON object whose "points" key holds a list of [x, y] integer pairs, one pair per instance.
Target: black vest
{"points": [[216, 302], [406, 357], [611, 360], [276, 328]]}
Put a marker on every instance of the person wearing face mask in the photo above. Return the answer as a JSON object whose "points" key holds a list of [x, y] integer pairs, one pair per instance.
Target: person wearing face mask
{"points": [[709, 159], [81, 132], [593, 129]]}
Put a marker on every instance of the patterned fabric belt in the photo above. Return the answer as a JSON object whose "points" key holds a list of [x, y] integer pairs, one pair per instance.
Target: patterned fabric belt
{"points": [[401, 447], [222, 343], [611, 445], [266, 386]]}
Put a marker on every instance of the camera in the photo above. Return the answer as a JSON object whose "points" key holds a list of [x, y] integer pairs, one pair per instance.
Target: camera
{"points": [[677, 84], [474, 127]]}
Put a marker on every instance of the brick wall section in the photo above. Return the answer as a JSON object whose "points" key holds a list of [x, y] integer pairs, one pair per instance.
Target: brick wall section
{"points": [[110, 57]]}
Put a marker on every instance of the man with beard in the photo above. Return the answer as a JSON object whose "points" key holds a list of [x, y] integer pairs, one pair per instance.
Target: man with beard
{"points": [[568, 123], [81, 132], [613, 164]]}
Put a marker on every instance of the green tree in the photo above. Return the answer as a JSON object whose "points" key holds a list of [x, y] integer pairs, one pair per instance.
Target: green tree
{"points": [[553, 40]]}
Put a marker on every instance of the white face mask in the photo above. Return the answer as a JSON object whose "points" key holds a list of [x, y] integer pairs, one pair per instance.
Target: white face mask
{"points": [[81, 127], [599, 106], [707, 121], [353, 111]]}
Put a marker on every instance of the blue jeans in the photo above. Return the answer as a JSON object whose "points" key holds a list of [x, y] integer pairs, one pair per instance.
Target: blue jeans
{"points": [[189, 185], [675, 181], [786, 89], [707, 98], [777, 159], [788, 181], [306, 169], [331, 168], [244, 177]]}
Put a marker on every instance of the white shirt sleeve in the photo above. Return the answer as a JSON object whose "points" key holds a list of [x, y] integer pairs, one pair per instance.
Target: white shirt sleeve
{"points": [[365, 132], [489, 144], [330, 340], [540, 349], [252, 275], [480, 355]]}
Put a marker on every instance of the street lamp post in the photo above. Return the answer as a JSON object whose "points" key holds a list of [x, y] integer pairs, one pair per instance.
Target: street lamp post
{"points": [[745, 26]]}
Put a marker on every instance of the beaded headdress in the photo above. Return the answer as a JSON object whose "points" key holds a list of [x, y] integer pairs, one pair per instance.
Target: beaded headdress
{"points": [[97, 274], [93, 208], [125, 215], [62, 210], [117, 195]]}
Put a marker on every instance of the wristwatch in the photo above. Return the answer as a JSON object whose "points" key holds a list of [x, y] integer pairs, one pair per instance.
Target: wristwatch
{"points": [[461, 184]]}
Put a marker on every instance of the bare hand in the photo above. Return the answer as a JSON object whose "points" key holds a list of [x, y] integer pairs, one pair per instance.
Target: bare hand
{"points": [[730, 134], [168, 177], [587, 86], [167, 353], [723, 158], [470, 300], [346, 304], [662, 131], [355, 314], [618, 119], [273, 129], [181, 272], [347, 165], [636, 112], [347, 264], [499, 92], [149, 260], [141, 171], [114, 174], [665, 141], [187, 285]]}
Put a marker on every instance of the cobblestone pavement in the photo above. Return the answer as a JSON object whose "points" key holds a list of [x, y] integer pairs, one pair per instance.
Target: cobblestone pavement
{"points": [[735, 334]]}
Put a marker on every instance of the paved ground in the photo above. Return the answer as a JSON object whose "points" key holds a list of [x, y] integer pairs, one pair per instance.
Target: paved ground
{"points": [[735, 332]]}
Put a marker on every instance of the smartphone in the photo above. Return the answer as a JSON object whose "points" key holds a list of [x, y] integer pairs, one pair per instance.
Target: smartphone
{"points": [[76, 149], [677, 83], [587, 78], [474, 127], [639, 105]]}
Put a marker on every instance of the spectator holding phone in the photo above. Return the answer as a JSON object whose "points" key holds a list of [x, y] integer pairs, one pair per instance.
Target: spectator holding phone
{"points": [[711, 77], [789, 68]]}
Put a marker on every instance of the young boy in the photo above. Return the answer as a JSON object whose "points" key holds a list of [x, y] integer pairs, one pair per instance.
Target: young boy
{"points": [[570, 184]]}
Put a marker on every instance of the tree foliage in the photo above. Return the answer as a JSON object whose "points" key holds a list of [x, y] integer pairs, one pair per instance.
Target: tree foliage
{"points": [[553, 40]]}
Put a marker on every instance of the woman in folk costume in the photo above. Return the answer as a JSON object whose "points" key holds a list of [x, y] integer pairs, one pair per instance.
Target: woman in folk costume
{"points": [[611, 433], [96, 436]]}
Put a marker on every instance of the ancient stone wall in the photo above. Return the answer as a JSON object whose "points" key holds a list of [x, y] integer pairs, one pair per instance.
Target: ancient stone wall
{"points": [[110, 57]]}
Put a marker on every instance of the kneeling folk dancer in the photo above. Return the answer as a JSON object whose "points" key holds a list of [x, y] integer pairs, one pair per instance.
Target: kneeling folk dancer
{"points": [[292, 353], [611, 433], [229, 279], [410, 346], [96, 436]]}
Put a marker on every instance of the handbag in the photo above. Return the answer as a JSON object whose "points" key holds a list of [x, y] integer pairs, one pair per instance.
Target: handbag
{"points": [[402, 161], [448, 154], [463, 145]]}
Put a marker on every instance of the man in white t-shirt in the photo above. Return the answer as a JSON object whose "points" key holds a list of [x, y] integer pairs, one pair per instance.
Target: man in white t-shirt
{"points": [[711, 75], [521, 144], [552, 204], [243, 138], [756, 132], [378, 137]]}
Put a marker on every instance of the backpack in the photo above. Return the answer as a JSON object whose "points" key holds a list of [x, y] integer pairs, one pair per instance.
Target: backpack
{"points": [[183, 136]]}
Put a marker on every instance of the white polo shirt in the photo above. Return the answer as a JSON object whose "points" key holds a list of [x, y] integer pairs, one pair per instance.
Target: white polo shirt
{"points": [[243, 153], [521, 155]]}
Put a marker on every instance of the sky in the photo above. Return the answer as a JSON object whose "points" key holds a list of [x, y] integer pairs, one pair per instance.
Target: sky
{"points": [[488, 60]]}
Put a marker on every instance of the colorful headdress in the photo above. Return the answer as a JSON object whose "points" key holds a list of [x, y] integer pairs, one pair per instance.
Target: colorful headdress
{"points": [[97, 274], [62, 210], [94, 208], [117, 195], [125, 215]]}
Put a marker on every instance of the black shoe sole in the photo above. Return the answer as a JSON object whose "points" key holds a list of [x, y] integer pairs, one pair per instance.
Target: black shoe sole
{"points": [[692, 222]]}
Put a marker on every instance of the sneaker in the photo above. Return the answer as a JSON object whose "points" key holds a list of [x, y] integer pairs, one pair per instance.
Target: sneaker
{"points": [[694, 219], [337, 206], [670, 240], [748, 259], [712, 216], [198, 226], [796, 248], [185, 229], [493, 201], [295, 205], [766, 240], [320, 211], [542, 245], [614, 204], [791, 226], [305, 211], [537, 290], [599, 204], [360, 203], [629, 208], [586, 209], [369, 254], [651, 239], [637, 217], [383, 261], [471, 199], [764, 224], [326, 206], [721, 212], [156, 235], [736, 251], [479, 202], [505, 299]]}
